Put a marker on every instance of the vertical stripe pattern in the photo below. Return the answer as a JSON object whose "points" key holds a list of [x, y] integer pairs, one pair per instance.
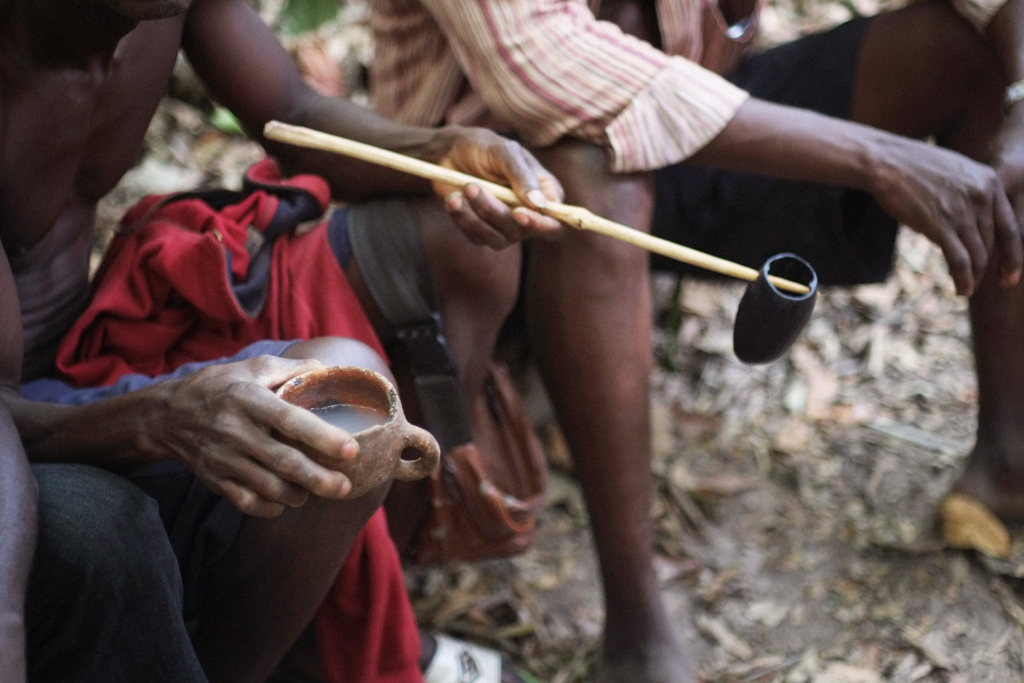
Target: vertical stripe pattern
{"points": [[548, 69]]}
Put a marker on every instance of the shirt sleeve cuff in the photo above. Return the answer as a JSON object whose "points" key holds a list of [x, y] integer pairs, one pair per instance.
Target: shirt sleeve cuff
{"points": [[682, 110], [978, 12]]}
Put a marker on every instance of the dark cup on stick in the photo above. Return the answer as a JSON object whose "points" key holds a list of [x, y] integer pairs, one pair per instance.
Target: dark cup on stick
{"points": [[769, 319]]}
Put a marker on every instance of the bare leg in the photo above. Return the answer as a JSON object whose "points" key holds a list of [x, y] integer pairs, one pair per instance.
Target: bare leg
{"points": [[589, 308], [950, 85], [923, 71], [278, 571], [591, 319], [995, 469], [478, 288], [589, 312]]}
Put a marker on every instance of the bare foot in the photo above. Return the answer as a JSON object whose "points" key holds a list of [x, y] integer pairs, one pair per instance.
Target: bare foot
{"points": [[662, 662], [995, 482]]}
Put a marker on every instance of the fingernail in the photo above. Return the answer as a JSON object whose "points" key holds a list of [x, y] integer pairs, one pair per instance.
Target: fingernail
{"points": [[471, 191], [454, 201], [537, 198], [350, 449], [521, 217]]}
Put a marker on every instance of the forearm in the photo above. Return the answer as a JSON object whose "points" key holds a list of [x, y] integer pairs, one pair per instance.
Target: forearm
{"points": [[350, 178], [797, 144], [105, 434], [959, 204], [17, 539], [246, 69]]}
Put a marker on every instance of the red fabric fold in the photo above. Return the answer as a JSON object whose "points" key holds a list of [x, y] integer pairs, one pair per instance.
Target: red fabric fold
{"points": [[163, 297], [354, 660]]}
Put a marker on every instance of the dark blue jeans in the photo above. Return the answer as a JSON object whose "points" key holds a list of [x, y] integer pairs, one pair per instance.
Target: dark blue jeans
{"points": [[104, 602]]}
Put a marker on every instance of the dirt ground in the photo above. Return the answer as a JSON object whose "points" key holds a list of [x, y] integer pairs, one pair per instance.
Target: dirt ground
{"points": [[796, 506]]}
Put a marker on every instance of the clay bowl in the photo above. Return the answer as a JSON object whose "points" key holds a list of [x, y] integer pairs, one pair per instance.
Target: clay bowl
{"points": [[390, 447]]}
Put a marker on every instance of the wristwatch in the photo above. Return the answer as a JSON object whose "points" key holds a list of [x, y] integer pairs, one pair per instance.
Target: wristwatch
{"points": [[1013, 94]]}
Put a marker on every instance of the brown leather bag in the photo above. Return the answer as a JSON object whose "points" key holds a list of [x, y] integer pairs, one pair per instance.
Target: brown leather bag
{"points": [[483, 504]]}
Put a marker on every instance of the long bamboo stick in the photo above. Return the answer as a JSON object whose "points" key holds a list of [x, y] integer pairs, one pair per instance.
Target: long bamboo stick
{"points": [[575, 216]]}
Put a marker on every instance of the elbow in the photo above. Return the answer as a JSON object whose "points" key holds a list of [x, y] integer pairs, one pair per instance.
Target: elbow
{"points": [[292, 105], [297, 108]]}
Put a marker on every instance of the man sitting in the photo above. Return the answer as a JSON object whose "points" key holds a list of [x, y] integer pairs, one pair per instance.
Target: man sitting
{"points": [[629, 129], [102, 599]]}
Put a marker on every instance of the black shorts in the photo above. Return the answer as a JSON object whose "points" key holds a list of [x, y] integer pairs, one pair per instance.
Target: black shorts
{"points": [[746, 218], [200, 524]]}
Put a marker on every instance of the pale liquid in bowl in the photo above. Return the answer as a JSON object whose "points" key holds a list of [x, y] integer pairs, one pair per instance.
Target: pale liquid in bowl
{"points": [[350, 418]]}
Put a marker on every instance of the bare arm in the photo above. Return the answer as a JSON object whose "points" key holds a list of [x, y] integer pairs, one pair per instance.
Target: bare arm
{"points": [[223, 422], [959, 204], [248, 71], [17, 493], [219, 422]]}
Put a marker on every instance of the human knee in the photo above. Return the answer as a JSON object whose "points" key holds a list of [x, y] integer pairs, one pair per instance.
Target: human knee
{"points": [[584, 171], [465, 271], [339, 351], [963, 51], [946, 43], [337, 520], [478, 289]]}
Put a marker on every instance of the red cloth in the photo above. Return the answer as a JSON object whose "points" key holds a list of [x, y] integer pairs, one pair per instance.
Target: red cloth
{"points": [[354, 610], [162, 298]]}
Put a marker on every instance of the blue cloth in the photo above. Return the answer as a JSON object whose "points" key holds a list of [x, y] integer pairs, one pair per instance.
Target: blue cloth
{"points": [[49, 390]]}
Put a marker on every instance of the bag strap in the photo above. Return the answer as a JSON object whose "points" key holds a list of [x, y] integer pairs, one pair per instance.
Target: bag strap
{"points": [[387, 245]]}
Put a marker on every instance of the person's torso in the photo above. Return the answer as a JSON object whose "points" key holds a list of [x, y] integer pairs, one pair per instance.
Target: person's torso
{"points": [[67, 137]]}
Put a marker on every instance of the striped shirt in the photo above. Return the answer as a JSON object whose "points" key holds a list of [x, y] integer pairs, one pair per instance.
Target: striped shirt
{"points": [[548, 69]]}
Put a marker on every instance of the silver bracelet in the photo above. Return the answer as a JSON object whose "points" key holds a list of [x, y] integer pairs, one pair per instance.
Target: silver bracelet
{"points": [[1013, 94]]}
